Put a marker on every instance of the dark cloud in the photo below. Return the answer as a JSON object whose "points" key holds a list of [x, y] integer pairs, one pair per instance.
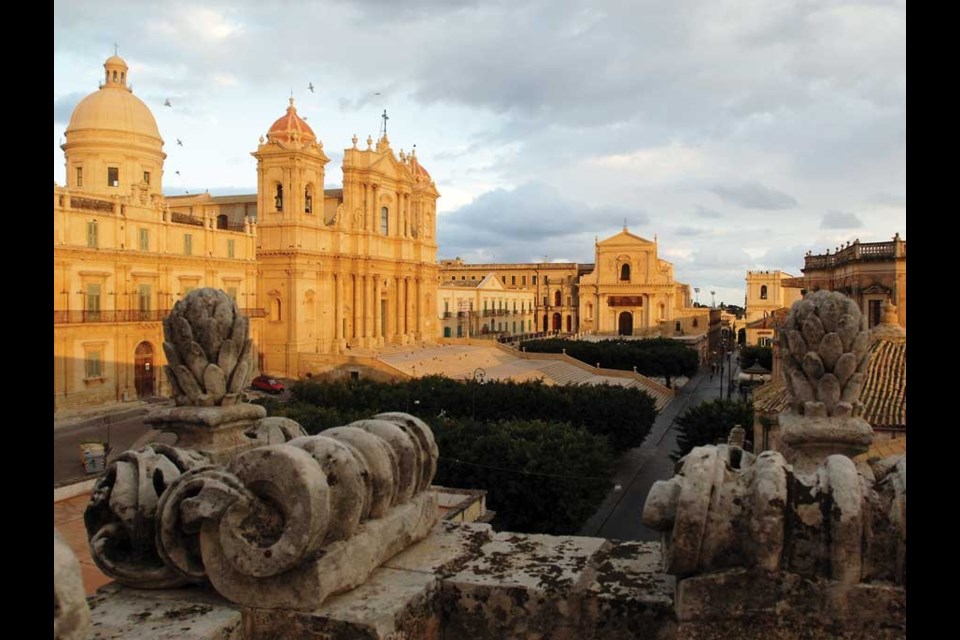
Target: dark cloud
{"points": [[754, 195], [840, 220], [889, 199], [64, 105], [704, 212], [527, 216]]}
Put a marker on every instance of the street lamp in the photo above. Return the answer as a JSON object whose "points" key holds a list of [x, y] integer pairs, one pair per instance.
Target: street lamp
{"points": [[713, 300], [697, 291]]}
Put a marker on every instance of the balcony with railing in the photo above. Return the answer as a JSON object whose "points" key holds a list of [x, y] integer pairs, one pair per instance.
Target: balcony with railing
{"points": [[856, 252], [71, 316], [185, 218]]}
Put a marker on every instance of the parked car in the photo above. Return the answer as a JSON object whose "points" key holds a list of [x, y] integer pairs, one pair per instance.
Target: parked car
{"points": [[266, 383]]}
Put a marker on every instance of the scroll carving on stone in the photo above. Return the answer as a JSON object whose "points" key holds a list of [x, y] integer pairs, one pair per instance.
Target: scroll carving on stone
{"points": [[282, 525]]}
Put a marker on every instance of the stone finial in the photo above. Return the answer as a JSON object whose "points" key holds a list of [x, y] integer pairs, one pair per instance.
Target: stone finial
{"points": [[208, 349], [71, 614], [737, 437], [354, 140], [824, 346], [890, 315], [369, 142]]}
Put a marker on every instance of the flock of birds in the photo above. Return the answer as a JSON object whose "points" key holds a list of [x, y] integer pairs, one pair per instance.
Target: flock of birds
{"points": [[167, 103]]}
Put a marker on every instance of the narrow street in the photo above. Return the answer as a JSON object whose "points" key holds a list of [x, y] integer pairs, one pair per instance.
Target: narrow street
{"points": [[618, 516]]}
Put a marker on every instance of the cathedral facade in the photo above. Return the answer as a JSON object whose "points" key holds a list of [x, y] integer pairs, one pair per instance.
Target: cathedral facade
{"points": [[321, 272]]}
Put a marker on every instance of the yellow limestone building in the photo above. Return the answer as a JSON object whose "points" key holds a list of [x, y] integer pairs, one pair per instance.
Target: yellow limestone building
{"points": [[320, 272], [351, 268], [121, 257], [631, 291]]}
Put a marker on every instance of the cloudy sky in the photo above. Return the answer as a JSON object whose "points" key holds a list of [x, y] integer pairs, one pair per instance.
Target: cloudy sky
{"points": [[742, 133]]}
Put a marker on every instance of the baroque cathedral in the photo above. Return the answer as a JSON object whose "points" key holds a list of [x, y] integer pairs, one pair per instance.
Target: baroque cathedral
{"points": [[322, 273]]}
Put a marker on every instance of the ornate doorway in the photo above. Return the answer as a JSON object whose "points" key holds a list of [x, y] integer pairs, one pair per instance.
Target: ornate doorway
{"points": [[143, 370], [625, 324]]}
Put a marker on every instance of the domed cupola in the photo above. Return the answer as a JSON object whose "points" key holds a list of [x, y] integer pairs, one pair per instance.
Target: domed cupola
{"points": [[290, 128], [113, 144]]}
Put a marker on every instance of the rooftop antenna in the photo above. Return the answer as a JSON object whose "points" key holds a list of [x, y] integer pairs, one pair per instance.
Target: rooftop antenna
{"points": [[116, 49], [383, 128]]}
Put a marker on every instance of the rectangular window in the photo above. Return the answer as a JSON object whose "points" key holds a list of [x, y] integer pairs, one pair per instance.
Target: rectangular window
{"points": [[144, 239], [231, 248], [523, 280], [146, 177], [92, 368], [384, 220], [93, 239], [113, 177], [534, 279], [513, 280], [79, 176], [874, 313], [188, 244], [143, 300], [92, 303]]}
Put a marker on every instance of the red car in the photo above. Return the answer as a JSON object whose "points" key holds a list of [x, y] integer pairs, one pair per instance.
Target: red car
{"points": [[266, 383]]}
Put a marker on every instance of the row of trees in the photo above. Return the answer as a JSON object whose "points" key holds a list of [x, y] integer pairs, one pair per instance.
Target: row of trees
{"points": [[652, 357], [545, 454]]}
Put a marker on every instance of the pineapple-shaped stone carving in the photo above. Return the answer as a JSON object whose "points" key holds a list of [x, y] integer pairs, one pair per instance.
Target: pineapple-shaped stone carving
{"points": [[207, 348], [825, 350]]}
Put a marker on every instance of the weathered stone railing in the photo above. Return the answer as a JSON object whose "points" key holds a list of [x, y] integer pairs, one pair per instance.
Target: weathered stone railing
{"points": [[857, 251], [91, 204]]}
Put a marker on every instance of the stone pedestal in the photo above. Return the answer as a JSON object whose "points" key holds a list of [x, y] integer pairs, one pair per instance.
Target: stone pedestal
{"points": [[217, 432], [810, 440]]}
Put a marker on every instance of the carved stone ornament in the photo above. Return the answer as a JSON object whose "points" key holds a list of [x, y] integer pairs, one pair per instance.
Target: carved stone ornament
{"points": [[71, 614], [283, 525], [808, 526], [208, 349]]}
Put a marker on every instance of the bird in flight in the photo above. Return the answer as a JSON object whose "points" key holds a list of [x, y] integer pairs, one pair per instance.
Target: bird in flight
{"points": [[166, 103], [178, 173], [179, 142], [310, 86]]}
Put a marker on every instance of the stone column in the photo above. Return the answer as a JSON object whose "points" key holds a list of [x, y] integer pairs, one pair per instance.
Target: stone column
{"points": [[377, 334], [337, 308], [398, 306], [374, 209], [357, 306], [418, 308]]}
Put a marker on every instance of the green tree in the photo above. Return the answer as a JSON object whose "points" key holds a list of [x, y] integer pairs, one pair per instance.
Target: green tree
{"points": [[709, 423], [763, 355], [540, 477]]}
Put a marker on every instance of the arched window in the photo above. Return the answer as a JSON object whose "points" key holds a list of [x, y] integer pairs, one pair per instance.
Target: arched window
{"points": [[696, 322], [275, 310], [384, 220], [278, 198], [678, 327], [556, 298], [308, 199], [222, 221], [625, 273], [763, 292]]}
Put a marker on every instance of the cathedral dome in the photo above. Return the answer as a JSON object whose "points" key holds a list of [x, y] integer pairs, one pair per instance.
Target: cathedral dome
{"points": [[114, 108], [290, 123]]}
